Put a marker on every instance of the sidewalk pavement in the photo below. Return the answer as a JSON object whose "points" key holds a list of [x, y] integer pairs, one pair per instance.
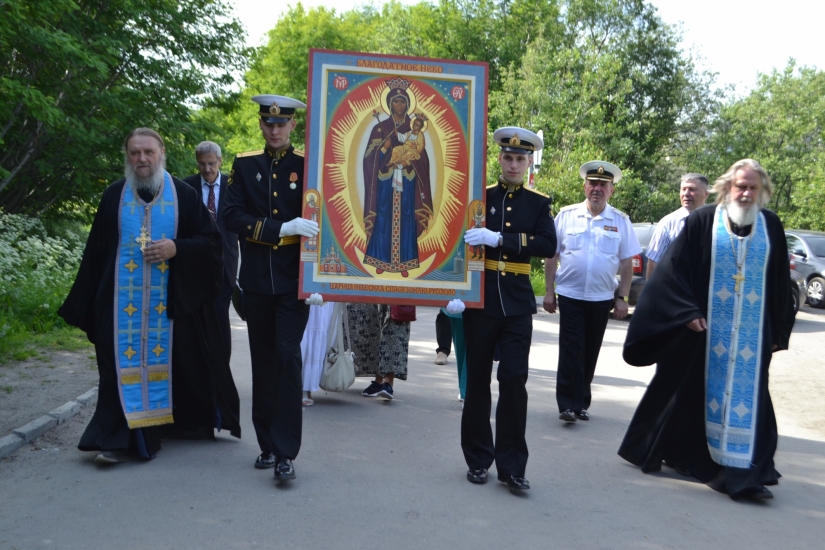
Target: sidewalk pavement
{"points": [[391, 474]]}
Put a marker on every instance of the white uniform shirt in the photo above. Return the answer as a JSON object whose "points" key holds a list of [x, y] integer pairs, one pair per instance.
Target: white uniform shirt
{"points": [[590, 249], [665, 233]]}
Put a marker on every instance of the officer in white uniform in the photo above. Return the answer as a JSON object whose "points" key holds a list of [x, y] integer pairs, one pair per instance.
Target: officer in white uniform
{"points": [[594, 242]]}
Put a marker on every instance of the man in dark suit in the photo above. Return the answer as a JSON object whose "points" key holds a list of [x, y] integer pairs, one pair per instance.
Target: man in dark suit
{"points": [[210, 183]]}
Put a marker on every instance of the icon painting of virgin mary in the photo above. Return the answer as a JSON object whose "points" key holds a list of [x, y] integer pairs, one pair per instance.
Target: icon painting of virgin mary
{"points": [[398, 200]]}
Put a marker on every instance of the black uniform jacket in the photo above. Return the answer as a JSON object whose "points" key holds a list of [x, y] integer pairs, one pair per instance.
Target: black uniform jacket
{"points": [[264, 190], [524, 219]]}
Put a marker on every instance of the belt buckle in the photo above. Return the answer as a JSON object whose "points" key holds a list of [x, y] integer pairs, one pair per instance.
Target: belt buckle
{"points": [[502, 266]]}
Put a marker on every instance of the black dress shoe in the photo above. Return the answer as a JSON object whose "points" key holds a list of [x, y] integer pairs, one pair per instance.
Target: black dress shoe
{"points": [[515, 483], [583, 414], [760, 492], [567, 415], [265, 461], [284, 469], [477, 475], [682, 471]]}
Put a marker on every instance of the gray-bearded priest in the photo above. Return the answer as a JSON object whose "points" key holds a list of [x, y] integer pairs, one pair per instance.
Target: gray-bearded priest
{"points": [[718, 305], [144, 296]]}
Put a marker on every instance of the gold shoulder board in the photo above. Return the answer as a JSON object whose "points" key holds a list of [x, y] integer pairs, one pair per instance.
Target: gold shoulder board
{"points": [[298, 152], [248, 154], [537, 192]]}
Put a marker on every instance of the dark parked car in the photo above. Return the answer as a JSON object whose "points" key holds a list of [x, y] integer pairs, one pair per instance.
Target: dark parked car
{"points": [[644, 231], [808, 249], [797, 289]]}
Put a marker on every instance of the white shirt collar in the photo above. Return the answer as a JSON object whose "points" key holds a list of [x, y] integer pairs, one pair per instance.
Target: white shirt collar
{"points": [[607, 213]]}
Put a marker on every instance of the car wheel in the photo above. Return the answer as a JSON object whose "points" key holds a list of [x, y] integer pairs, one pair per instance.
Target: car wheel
{"points": [[795, 299], [816, 292]]}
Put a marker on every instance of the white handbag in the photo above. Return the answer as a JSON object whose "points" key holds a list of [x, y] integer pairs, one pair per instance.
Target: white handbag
{"points": [[339, 364]]}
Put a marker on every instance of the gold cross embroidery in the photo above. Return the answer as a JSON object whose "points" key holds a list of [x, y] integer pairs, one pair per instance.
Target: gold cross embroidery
{"points": [[738, 278], [143, 238]]}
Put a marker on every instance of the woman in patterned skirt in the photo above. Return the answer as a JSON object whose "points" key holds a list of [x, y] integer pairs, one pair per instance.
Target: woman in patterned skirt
{"points": [[381, 346]]}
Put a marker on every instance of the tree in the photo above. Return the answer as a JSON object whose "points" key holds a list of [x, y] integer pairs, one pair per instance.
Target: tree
{"points": [[780, 123], [614, 85], [81, 73]]}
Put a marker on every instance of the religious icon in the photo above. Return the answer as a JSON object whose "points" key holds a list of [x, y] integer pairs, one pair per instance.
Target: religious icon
{"points": [[312, 208], [396, 154], [477, 218]]}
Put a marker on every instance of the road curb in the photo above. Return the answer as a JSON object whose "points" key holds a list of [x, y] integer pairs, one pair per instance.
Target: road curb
{"points": [[34, 429]]}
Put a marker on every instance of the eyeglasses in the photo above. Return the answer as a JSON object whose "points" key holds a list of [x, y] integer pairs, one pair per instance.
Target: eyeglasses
{"points": [[202, 165]]}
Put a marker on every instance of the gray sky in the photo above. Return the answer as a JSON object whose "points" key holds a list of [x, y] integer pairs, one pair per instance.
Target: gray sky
{"points": [[735, 38]]}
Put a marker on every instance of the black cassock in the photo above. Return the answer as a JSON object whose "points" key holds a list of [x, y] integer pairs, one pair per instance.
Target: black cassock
{"points": [[204, 396], [669, 423]]}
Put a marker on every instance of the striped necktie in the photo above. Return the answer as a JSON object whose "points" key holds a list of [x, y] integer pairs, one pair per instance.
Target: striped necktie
{"points": [[210, 202]]}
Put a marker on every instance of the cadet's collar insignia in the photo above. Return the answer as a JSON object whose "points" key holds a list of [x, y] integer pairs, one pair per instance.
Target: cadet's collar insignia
{"points": [[493, 210], [280, 153], [258, 176], [515, 141], [510, 187], [274, 109]]}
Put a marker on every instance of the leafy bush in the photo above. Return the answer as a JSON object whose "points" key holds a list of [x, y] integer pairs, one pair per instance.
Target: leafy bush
{"points": [[36, 272]]}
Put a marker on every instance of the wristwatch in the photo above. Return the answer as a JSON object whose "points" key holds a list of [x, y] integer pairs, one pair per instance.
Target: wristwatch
{"points": [[625, 298]]}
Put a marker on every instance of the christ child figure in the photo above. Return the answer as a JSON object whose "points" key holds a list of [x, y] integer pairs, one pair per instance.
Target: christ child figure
{"points": [[412, 143]]}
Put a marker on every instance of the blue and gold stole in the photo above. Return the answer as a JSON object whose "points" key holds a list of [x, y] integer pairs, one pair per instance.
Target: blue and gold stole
{"points": [[736, 314], [143, 335]]}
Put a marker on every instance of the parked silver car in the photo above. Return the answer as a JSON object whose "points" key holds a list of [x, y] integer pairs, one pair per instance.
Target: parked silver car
{"points": [[808, 249]]}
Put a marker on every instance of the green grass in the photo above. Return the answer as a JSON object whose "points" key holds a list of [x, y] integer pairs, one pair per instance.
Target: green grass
{"points": [[23, 345], [7, 389], [537, 280]]}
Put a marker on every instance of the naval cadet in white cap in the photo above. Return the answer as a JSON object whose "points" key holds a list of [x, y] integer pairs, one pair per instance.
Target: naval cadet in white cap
{"points": [[519, 227], [595, 242], [263, 206]]}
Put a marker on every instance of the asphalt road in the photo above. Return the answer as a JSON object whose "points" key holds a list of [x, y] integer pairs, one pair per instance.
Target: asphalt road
{"points": [[373, 473]]}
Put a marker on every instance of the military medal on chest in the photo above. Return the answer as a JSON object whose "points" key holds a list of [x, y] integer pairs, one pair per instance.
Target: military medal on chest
{"points": [[293, 177]]}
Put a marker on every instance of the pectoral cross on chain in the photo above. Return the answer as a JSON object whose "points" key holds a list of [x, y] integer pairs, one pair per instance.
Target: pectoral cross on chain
{"points": [[738, 278], [143, 239]]}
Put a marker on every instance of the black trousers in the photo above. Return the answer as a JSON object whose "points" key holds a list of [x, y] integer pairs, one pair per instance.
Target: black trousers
{"points": [[443, 333], [222, 307], [513, 335], [581, 331], [276, 326]]}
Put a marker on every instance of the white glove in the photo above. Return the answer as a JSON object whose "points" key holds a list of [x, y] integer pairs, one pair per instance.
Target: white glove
{"points": [[481, 235], [455, 306], [314, 299], [299, 226]]}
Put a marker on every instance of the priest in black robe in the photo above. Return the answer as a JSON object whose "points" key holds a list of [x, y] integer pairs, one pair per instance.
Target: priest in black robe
{"points": [[670, 327], [203, 393]]}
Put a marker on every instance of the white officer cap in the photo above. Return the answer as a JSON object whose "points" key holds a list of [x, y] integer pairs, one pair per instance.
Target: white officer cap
{"points": [[513, 139], [277, 108], [600, 170]]}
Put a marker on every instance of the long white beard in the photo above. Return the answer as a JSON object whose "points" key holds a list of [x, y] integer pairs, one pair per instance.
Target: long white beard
{"points": [[150, 183], [742, 214]]}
